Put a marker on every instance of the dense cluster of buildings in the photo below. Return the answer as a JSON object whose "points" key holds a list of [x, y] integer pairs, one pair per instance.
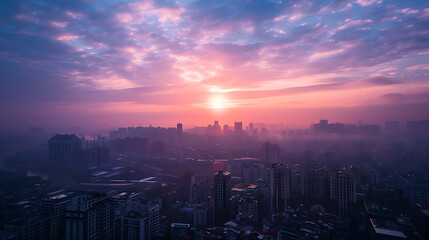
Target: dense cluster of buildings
{"points": [[161, 183]]}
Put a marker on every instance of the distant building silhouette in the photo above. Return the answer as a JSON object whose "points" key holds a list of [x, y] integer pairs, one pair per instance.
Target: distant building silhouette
{"points": [[226, 129], [324, 128], [418, 127], [369, 130], [270, 152], [179, 128], [238, 127], [392, 127], [64, 148], [131, 145]]}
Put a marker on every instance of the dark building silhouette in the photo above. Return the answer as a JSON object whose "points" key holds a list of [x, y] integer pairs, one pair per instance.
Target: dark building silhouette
{"points": [[280, 184], [270, 152], [418, 127], [369, 130], [222, 194], [131, 145], [199, 191], [179, 128], [324, 127], [226, 129], [392, 127], [238, 127], [315, 184], [64, 148], [343, 190]]}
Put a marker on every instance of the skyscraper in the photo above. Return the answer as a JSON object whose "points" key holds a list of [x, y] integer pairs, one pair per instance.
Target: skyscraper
{"points": [[225, 129], [217, 129], [270, 152], [179, 128], [222, 195], [280, 180], [238, 127]]}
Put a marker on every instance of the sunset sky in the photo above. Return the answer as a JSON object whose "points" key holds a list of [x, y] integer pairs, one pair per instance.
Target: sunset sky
{"points": [[120, 63]]}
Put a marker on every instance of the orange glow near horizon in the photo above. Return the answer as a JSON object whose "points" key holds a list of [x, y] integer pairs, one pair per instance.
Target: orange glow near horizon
{"points": [[163, 62]]}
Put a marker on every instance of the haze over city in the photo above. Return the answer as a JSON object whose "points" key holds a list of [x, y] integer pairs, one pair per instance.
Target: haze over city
{"points": [[214, 119]]}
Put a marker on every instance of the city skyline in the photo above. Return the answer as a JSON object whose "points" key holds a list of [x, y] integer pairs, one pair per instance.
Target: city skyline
{"points": [[113, 63], [214, 119]]}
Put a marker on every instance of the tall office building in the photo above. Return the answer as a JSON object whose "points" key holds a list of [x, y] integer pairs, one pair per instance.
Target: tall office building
{"points": [[280, 184], [238, 127], [251, 128], [179, 128], [343, 190], [225, 129], [222, 195], [270, 152], [90, 216], [217, 129], [64, 148]]}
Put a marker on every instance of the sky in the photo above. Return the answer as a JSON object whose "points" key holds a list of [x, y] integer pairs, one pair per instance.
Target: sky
{"points": [[116, 63]]}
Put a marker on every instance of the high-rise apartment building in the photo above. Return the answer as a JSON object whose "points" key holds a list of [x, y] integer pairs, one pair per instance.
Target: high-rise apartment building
{"points": [[343, 190], [55, 203], [90, 216], [222, 195], [280, 184], [139, 221]]}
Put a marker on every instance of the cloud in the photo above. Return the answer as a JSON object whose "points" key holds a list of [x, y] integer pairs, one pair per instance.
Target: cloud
{"points": [[380, 80], [407, 98], [177, 52]]}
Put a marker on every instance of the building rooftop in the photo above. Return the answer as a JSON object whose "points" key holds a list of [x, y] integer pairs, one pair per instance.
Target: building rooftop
{"points": [[222, 173], [387, 227], [65, 137]]}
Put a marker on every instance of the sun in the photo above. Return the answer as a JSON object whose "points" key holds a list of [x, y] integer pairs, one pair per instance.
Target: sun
{"points": [[218, 102]]}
